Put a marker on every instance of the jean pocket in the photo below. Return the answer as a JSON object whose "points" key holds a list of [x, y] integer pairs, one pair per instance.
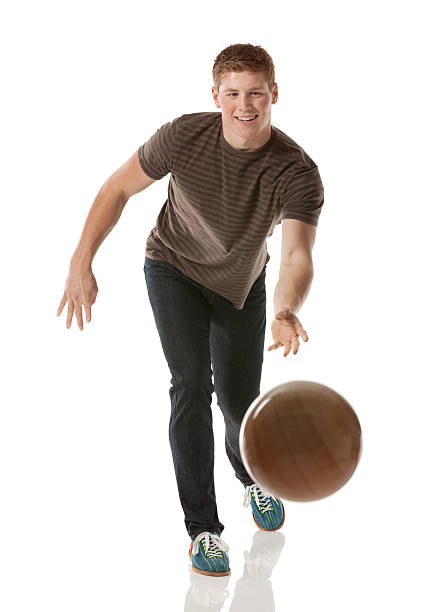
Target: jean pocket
{"points": [[157, 268], [157, 263]]}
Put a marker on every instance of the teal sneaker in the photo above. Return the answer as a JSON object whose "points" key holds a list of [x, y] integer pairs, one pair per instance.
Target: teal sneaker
{"points": [[268, 511], [208, 554]]}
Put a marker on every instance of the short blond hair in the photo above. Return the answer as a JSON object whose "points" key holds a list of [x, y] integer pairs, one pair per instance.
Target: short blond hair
{"points": [[240, 57]]}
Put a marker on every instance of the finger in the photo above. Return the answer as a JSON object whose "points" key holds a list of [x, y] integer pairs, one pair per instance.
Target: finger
{"points": [[79, 315], [295, 344], [275, 345], [70, 313], [302, 333], [287, 349], [61, 305], [87, 311]]}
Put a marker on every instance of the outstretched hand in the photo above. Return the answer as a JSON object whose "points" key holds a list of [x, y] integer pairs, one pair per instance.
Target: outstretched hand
{"points": [[285, 329]]}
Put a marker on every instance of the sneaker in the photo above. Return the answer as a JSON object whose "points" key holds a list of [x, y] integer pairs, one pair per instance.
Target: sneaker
{"points": [[208, 554], [268, 511]]}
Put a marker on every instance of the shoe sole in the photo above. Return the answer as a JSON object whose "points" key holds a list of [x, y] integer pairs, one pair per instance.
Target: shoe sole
{"points": [[206, 573], [275, 528]]}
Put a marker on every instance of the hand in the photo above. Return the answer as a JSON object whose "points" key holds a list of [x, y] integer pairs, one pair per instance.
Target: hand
{"points": [[285, 329], [80, 290]]}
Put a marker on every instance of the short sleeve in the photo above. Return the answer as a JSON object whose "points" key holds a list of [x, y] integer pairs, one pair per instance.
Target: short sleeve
{"points": [[303, 196], [157, 155]]}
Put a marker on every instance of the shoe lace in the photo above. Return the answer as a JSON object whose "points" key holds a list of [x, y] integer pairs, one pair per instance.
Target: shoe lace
{"points": [[262, 497], [213, 544]]}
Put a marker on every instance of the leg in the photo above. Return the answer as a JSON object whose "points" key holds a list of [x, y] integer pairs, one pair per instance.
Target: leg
{"points": [[237, 353], [182, 316]]}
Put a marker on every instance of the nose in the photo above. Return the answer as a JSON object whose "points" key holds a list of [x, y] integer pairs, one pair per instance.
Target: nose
{"points": [[244, 103]]}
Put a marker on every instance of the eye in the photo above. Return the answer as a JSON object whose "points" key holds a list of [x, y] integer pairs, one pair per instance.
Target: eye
{"points": [[234, 93]]}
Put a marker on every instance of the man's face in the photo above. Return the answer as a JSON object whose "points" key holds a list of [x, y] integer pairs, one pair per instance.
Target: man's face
{"points": [[245, 94]]}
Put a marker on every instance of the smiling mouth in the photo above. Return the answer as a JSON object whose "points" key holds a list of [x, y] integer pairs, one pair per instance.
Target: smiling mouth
{"points": [[246, 119]]}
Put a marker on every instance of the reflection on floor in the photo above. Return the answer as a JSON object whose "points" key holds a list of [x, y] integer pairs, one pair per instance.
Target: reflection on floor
{"points": [[253, 591]]}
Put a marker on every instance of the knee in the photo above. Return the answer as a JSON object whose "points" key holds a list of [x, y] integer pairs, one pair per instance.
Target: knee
{"points": [[192, 378], [235, 399]]}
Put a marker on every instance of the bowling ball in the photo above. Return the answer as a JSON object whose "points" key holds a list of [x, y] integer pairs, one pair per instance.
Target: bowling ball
{"points": [[300, 441]]}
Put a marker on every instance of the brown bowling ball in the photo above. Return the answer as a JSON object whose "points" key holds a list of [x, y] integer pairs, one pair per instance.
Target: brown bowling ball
{"points": [[300, 441]]}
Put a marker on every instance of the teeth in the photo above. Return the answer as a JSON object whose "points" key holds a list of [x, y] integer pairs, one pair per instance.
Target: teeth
{"points": [[245, 118]]}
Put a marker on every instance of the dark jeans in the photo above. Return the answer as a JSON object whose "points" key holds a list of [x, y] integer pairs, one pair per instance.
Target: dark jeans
{"points": [[197, 328]]}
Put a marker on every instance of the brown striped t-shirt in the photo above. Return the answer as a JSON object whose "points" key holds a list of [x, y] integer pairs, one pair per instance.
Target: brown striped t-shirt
{"points": [[224, 202]]}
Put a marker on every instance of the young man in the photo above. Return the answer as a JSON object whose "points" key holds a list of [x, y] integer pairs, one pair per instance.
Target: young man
{"points": [[234, 176]]}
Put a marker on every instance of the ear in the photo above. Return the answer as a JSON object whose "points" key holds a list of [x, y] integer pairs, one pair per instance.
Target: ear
{"points": [[215, 96]]}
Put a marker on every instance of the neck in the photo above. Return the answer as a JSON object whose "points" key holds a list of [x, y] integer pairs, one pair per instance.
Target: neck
{"points": [[246, 143]]}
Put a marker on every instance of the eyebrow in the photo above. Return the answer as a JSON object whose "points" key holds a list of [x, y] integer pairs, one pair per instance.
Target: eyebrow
{"points": [[259, 87]]}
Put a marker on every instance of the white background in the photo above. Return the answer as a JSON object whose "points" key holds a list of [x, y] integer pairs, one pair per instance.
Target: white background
{"points": [[90, 517]]}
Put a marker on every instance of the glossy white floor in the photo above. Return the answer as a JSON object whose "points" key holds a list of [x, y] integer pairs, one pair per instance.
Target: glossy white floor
{"points": [[91, 518]]}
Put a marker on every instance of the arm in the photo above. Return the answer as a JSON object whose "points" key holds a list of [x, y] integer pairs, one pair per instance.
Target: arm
{"points": [[81, 288], [107, 208], [296, 266], [295, 279]]}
